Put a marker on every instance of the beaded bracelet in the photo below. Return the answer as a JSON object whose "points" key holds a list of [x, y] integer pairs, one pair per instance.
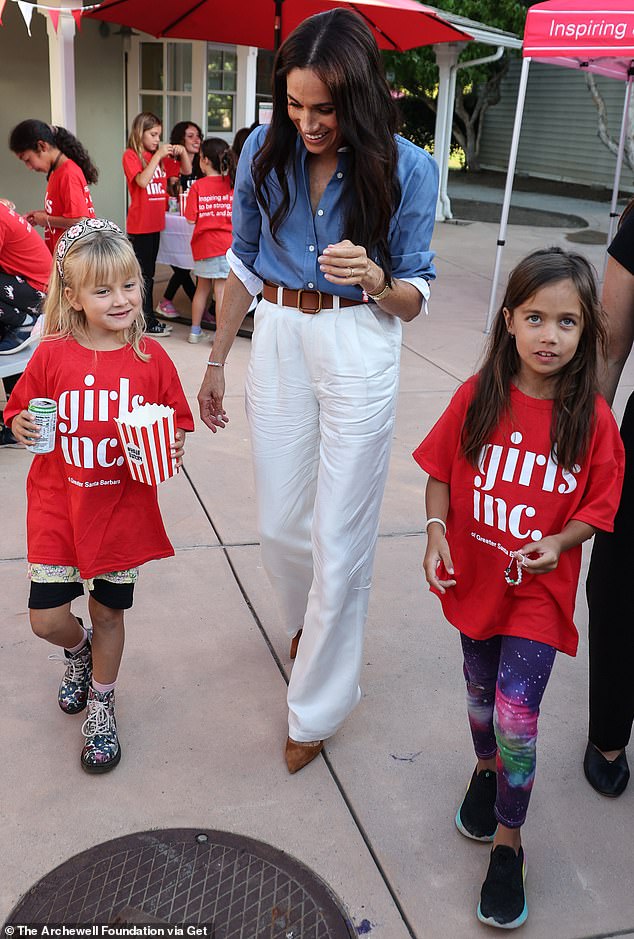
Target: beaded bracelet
{"points": [[216, 364], [440, 522], [520, 561]]}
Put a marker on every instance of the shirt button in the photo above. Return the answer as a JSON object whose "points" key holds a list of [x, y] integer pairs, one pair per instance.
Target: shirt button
{"points": [[311, 285], [320, 212], [311, 247], [339, 175]]}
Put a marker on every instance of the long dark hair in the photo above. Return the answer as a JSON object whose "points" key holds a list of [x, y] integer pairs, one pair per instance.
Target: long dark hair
{"points": [[178, 136], [576, 384], [221, 156], [341, 50], [27, 135]]}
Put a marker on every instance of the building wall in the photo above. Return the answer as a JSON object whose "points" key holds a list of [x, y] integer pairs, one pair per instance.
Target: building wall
{"points": [[559, 130], [24, 92]]}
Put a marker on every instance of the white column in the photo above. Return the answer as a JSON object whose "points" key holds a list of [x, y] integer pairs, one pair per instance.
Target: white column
{"points": [[247, 75], [61, 63], [446, 59]]}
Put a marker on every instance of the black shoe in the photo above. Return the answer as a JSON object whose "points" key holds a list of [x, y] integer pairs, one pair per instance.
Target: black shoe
{"points": [[8, 440], [475, 818], [502, 900], [15, 340], [609, 777], [157, 329]]}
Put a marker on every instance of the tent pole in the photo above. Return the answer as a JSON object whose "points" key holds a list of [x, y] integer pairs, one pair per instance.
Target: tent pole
{"points": [[619, 162], [510, 173], [277, 29]]}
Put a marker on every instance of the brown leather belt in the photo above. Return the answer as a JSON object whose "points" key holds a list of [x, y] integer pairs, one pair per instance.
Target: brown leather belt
{"points": [[306, 300]]}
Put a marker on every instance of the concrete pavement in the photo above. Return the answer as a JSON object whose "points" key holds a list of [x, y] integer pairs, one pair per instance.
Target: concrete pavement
{"points": [[201, 699]]}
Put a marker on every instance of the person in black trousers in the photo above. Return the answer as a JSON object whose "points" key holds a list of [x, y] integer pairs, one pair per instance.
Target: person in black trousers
{"points": [[611, 635]]}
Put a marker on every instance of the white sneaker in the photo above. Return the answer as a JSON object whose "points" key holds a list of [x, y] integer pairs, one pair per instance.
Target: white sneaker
{"points": [[194, 337]]}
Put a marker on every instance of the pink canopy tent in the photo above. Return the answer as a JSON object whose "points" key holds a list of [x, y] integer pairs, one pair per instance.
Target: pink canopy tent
{"points": [[592, 35]]}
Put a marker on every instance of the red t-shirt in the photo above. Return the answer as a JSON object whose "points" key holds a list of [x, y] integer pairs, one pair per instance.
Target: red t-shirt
{"points": [[22, 251], [146, 213], [84, 508], [172, 167], [518, 494], [68, 196], [209, 205]]}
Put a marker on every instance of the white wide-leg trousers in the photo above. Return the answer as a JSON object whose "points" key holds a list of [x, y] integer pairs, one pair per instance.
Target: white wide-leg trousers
{"points": [[321, 398]]}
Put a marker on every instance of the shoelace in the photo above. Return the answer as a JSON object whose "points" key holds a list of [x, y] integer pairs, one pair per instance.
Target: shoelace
{"points": [[99, 720], [77, 668]]}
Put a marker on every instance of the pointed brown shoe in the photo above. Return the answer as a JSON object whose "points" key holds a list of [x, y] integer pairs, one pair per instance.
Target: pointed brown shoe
{"points": [[299, 755], [295, 643]]}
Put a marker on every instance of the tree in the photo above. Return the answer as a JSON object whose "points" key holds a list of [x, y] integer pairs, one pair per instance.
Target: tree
{"points": [[603, 130], [415, 75]]}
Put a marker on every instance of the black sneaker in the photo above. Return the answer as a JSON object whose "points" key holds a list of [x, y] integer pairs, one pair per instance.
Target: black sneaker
{"points": [[8, 440], [158, 329], [502, 899], [475, 818]]}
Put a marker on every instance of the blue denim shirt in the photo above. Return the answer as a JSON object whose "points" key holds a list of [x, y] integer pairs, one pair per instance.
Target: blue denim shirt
{"points": [[292, 260]]}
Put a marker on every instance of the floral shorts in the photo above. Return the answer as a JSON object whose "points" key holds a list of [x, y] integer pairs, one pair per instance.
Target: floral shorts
{"points": [[54, 585]]}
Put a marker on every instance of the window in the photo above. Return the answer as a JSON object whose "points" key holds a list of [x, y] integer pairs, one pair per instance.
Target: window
{"points": [[165, 70], [222, 66], [263, 90]]}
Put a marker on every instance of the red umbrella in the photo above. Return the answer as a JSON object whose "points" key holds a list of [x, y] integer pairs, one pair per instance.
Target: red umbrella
{"points": [[397, 24]]}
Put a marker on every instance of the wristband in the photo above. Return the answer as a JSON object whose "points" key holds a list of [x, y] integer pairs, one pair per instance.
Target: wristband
{"points": [[216, 364], [440, 522]]}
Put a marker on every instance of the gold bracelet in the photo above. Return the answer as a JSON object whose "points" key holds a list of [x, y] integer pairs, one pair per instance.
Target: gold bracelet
{"points": [[381, 295]]}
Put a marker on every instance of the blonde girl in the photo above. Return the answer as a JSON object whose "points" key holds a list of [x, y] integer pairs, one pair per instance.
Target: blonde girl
{"points": [[88, 521], [147, 186]]}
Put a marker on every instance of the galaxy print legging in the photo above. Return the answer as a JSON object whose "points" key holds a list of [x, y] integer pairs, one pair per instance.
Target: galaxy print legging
{"points": [[506, 679]]}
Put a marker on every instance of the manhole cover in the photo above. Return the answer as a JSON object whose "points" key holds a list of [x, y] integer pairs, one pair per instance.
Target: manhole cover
{"points": [[237, 887]]}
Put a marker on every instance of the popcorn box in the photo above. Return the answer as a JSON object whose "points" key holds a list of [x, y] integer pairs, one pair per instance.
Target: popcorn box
{"points": [[146, 434]]}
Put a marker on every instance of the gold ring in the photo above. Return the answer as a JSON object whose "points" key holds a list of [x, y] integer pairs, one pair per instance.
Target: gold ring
{"points": [[351, 274]]}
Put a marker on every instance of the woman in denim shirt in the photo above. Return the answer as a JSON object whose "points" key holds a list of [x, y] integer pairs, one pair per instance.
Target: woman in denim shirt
{"points": [[332, 220]]}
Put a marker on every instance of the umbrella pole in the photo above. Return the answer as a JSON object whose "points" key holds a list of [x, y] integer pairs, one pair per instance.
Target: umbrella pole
{"points": [[277, 34], [619, 163], [506, 204]]}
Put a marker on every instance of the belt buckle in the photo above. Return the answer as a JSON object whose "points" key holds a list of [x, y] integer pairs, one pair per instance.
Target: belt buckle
{"points": [[299, 300]]}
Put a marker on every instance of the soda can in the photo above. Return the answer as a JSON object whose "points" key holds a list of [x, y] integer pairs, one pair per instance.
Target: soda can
{"points": [[44, 412]]}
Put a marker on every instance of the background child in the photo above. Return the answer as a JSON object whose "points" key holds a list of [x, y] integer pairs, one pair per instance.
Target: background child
{"points": [[181, 174], [87, 520], [25, 267], [148, 202], [209, 207], [524, 465], [69, 169]]}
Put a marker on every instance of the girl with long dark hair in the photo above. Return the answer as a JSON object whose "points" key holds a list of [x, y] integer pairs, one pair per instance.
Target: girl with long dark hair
{"points": [[332, 219], [524, 465], [208, 208], [69, 169]]}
